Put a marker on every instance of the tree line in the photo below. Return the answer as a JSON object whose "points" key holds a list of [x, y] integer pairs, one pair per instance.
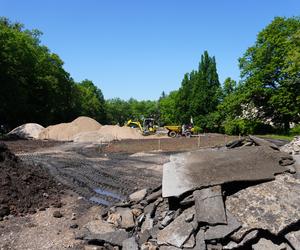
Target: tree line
{"points": [[35, 87]]}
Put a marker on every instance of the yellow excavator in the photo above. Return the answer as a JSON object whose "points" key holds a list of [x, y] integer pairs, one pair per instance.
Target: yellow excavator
{"points": [[147, 127]]}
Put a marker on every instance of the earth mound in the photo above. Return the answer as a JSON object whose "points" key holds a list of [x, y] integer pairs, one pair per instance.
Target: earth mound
{"points": [[24, 188], [67, 131], [27, 131], [109, 133]]}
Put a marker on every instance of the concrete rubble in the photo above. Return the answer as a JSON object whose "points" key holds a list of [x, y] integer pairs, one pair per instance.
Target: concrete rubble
{"points": [[234, 209]]}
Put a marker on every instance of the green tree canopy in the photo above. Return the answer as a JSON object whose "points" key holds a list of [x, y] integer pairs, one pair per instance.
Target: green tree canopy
{"points": [[199, 93], [269, 70]]}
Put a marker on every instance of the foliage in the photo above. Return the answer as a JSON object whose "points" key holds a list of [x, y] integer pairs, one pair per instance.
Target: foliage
{"points": [[168, 109], [91, 101], [246, 127], [270, 70], [33, 84], [200, 93], [229, 86], [120, 111], [295, 130]]}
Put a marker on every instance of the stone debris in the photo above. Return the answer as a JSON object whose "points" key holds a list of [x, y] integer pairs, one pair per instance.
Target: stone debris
{"points": [[138, 196], [177, 232], [293, 147], [209, 206], [294, 239], [115, 238], [126, 217], [221, 231], [271, 206], [130, 244], [264, 244], [261, 211]]}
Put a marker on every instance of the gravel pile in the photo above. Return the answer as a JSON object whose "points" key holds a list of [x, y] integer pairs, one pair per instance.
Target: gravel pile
{"points": [[26, 131]]}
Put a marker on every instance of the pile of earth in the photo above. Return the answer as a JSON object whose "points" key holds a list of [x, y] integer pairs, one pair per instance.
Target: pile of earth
{"points": [[67, 131], [24, 188], [108, 133], [26, 131]]}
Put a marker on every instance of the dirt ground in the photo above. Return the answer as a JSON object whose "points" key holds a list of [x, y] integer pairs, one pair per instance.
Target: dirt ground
{"points": [[100, 174]]}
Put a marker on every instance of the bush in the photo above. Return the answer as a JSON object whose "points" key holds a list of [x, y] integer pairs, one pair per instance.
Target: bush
{"points": [[295, 130], [197, 130], [245, 127]]}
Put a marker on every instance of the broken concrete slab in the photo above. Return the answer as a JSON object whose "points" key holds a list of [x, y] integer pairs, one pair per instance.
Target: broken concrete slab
{"points": [[262, 142], [264, 244], [208, 167], [144, 236], [217, 246], [294, 239], [168, 248], [177, 232], [271, 206], [99, 226], [200, 241], [154, 196], [190, 243], [250, 236], [127, 220], [130, 244], [114, 238], [221, 231], [138, 195], [147, 224], [297, 165], [209, 206]]}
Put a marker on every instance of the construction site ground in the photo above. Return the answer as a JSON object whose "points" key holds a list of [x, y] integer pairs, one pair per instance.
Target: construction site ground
{"points": [[93, 176]]}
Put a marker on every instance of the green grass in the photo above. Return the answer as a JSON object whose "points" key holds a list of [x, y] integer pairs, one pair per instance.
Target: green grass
{"points": [[279, 137]]}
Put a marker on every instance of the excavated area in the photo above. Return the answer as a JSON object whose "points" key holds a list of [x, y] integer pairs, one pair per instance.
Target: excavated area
{"points": [[24, 188], [100, 178]]}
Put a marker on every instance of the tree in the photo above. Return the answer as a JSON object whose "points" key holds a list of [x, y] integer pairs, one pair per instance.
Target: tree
{"points": [[167, 108], [91, 101], [200, 93], [269, 70], [35, 87], [229, 86]]}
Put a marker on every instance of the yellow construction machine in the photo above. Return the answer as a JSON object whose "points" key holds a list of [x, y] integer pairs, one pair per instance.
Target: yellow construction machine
{"points": [[184, 130], [147, 127]]}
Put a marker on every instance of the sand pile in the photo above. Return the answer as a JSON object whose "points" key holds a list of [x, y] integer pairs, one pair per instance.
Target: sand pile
{"points": [[67, 131], [27, 131], [109, 133]]}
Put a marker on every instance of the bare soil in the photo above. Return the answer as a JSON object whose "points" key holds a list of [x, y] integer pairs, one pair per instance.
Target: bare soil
{"points": [[24, 187], [100, 174]]}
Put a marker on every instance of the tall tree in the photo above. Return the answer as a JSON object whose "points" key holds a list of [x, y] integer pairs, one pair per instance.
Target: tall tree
{"points": [[269, 67], [200, 92]]}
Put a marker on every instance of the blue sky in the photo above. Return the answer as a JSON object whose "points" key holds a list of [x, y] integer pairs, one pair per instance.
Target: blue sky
{"points": [[138, 48]]}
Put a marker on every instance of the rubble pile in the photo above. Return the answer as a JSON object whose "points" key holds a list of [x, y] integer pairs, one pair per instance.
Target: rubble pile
{"points": [[240, 197], [24, 188], [293, 147]]}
